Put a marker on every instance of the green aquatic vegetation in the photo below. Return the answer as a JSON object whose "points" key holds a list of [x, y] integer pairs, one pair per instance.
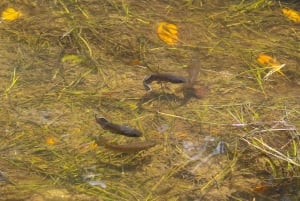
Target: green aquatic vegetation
{"points": [[14, 79]]}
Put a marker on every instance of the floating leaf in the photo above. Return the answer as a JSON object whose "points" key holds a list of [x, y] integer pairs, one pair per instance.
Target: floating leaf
{"points": [[10, 14], [50, 140], [168, 33], [267, 60], [291, 14], [272, 63], [72, 58]]}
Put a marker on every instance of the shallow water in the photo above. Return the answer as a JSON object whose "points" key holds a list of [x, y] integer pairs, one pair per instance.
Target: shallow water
{"points": [[63, 62]]}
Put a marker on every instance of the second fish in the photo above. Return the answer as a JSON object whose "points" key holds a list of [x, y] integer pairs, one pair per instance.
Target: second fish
{"points": [[118, 129]]}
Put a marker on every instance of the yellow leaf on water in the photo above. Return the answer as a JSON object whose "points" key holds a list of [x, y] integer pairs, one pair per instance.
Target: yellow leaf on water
{"points": [[50, 141], [10, 14], [168, 33], [291, 14], [72, 58], [271, 63], [267, 60]]}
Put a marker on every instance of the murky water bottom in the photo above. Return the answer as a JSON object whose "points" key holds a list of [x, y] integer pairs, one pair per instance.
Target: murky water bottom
{"points": [[64, 62]]}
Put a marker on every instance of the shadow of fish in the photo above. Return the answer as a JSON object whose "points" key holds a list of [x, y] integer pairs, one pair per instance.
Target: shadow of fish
{"points": [[189, 90], [118, 129], [4, 178], [125, 148]]}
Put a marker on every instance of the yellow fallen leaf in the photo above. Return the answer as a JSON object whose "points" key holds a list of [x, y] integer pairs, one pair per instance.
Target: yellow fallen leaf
{"points": [[72, 58], [291, 14], [168, 33], [267, 60], [272, 63], [10, 14], [50, 141]]}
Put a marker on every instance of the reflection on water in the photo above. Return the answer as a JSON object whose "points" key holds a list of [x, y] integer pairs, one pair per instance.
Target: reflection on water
{"points": [[200, 157]]}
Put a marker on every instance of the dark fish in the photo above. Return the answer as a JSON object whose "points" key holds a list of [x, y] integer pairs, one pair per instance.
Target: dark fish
{"points": [[165, 77], [118, 129]]}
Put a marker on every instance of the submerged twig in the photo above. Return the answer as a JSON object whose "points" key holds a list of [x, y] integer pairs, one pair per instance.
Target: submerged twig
{"points": [[285, 126], [273, 70], [14, 80], [271, 151]]}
